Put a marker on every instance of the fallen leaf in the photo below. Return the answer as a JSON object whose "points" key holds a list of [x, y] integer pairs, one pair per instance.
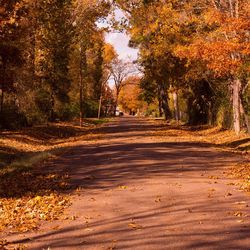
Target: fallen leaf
{"points": [[133, 225], [158, 199], [238, 214]]}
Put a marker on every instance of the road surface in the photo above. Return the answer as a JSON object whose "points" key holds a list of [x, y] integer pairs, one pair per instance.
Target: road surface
{"points": [[143, 191]]}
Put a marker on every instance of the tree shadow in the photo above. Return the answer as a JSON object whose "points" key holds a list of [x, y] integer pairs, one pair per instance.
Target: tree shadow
{"points": [[238, 143], [169, 226], [104, 166]]}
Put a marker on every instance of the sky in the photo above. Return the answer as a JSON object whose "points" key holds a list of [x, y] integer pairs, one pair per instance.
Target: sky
{"points": [[120, 41]]}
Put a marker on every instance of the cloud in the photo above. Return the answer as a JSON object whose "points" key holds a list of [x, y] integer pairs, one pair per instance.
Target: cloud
{"points": [[120, 42]]}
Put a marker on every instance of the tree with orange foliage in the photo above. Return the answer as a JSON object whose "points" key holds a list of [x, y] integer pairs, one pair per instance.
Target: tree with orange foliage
{"points": [[120, 71], [221, 42], [129, 98], [193, 42]]}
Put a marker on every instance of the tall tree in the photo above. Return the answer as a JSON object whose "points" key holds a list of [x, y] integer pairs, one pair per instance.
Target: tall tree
{"points": [[120, 71], [56, 35]]}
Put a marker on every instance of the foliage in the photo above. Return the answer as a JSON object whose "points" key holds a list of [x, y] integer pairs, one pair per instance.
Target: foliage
{"points": [[39, 57], [31, 199], [129, 98], [183, 44]]}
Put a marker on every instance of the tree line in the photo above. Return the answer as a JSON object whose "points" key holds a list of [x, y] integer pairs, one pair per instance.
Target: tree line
{"points": [[193, 58], [54, 61], [196, 51]]}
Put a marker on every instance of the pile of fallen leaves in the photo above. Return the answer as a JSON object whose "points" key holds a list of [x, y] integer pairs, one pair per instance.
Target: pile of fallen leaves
{"points": [[28, 198], [242, 171]]}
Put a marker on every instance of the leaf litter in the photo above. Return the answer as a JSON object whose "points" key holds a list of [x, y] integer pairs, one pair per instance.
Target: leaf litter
{"points": [[28, 198]]}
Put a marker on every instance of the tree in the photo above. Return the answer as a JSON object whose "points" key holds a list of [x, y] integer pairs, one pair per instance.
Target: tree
{"points": [[56, 36], [207, 40], [90, 42], [10, 53], [130, 96], [221, 44], [120, 71], [109, 54]]}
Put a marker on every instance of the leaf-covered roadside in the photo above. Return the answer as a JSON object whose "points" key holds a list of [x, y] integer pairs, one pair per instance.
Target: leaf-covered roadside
{"points": [[28, 193], [213, 136], [29, 146], [28, 198], [242, 171]]}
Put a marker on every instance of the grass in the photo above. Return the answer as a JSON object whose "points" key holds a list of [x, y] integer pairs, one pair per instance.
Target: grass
{"points": [[98, 121]]}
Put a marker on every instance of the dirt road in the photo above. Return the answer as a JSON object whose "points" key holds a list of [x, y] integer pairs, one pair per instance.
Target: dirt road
{"points": [[140, 191]]}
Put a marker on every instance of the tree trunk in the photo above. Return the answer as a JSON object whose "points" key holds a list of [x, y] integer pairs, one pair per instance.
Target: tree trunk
{"points": [[210, 115], [245, 116], [160, 108], [165, 106], [81, 100], [176, 105], [100, 107], [52, 113], [83, 67], [236, 105], [2, 88], [116, 104], [116, 101], [246, 121], [2, 99], [160, 102]]}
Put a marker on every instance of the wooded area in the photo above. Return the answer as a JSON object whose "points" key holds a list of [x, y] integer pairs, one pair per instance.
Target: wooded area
{"points": [[196, 51], [193, 60], [54, 61]]}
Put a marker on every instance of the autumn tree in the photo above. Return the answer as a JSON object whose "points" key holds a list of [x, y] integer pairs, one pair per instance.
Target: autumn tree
{"points": [[120, 71], [109, 54], [87, 64], [10, 52], [130, 96], [222, 44], [193, 42]]}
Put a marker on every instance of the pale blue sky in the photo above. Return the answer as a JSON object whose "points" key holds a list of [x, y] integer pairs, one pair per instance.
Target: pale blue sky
{"points": [[120, 41]]}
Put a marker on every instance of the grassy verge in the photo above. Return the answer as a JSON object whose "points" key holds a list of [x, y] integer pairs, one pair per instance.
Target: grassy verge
{"points": [[98, 121]]}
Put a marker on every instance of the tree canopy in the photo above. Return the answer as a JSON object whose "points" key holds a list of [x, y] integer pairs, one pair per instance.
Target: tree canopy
{"points": [[193, 59]]}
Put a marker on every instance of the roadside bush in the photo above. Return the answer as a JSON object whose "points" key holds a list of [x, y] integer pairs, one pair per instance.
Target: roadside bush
{"points": [[43, 102]]}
